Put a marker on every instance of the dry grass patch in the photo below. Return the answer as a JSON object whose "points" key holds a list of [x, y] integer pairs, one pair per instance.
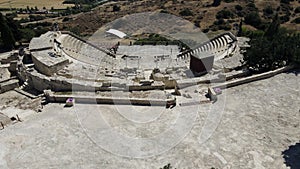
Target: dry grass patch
{"points": [[57, 4]]}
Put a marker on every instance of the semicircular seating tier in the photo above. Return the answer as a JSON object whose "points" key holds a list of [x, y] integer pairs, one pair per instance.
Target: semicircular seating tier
{"points": [[83, 51], [218, 46]]}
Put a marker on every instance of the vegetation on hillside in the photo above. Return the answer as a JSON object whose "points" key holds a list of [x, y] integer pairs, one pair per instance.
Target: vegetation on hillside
{"points": [[272, 45], [12, 31], [210, 16], [7, 38], [274, 48]]}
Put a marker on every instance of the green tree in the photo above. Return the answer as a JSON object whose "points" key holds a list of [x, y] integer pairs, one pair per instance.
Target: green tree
{"points": [[297, 20], [272, 51], [268, 10], [116, 8], [297, 10], [216, 3], [14, 27], [6, 34], [273, 27], [240, 31], [186, 12], [238, 7], [225, 14], [253, 19], [294, 49]]}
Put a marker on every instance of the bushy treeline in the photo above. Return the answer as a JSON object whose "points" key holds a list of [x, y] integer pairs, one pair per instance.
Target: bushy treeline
{"points": [[251, 15], [274, 48], [11, 31], [6, 37]]}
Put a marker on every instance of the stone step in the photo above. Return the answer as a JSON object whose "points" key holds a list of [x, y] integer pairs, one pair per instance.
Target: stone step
{"points": [[26, 93], [9, 85]]}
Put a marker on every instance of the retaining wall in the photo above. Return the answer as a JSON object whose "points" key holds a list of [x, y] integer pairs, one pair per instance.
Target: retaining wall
{"points": [[253, 78], [41, 82], [52, 97], [46, 68], [9, 85]]}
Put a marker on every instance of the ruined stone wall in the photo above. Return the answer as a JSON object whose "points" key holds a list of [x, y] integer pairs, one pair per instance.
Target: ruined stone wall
{"points": [[41, 82], [52, 97], [46, 69], [9, 85], [252, 78]]}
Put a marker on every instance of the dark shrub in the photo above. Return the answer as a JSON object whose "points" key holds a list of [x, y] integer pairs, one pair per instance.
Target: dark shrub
{"points": [[297, 20], [186, 12], [238, 7], [253, 19], [225, 14]]}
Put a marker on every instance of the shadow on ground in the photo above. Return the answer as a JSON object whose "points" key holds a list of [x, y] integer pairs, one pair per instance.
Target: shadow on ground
{"points": [[294, 71], [292, 156]]}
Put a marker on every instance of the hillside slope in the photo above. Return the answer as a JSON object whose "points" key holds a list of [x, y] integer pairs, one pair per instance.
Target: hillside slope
{"points": [[209, 18]]}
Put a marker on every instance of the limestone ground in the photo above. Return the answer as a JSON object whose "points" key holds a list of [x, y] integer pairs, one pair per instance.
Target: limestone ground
{"points": [[260, 121]]}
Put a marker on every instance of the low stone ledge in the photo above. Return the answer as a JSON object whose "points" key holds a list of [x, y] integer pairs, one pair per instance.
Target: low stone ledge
{"points": [[9, 85], [253, 78], [52, 97]]}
